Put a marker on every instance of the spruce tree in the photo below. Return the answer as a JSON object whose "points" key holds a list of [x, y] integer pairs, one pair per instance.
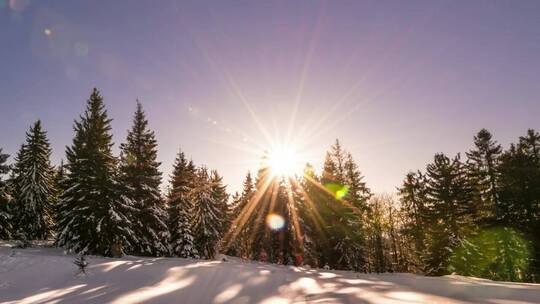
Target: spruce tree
{"points": [[414, 203], [221, 198], [451, 209], [139, 171], [206, 216], [530, 144], [5, 216], [519, 191], [357, 195], [59, 179], [33, 186], [308, 195], [343, 212], [237, 242], [519, 188], [180, 206], [92, 210], [482, 169]]}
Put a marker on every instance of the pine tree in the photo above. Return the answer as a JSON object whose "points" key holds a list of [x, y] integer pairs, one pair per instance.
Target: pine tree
{"points": [[238, 239], [530, 144], [59, 185], [519, 188], [413, 197], [221, 198], [140, 174], [519, 191], [206, 216], [450, 198], [342, 212], [482, 169], [33, 186], [308, 195], [357, 195], [5, 216], [180, 209], [92, 211]]}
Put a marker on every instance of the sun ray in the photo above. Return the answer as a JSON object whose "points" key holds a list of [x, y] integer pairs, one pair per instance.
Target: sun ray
{"points": [[246, 212], [318, 218], [294, 215]]}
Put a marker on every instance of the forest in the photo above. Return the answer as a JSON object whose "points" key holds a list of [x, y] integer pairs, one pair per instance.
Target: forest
{"points": [[474, 214]]}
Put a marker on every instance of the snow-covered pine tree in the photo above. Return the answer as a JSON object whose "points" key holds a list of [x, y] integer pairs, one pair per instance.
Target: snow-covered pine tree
{"points": [[139, 172], [5, 217], [180, 206], [238, 239], [59, 179], [206, 216], [343, 218], [221, 198], [33, 186], [92, 210], [307, 193], [357, 195]]}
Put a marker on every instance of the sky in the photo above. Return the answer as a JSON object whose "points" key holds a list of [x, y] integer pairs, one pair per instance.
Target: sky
{"points": [[395, 81]]}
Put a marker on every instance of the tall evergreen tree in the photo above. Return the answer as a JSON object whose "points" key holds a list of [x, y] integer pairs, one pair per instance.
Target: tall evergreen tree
{"points": [[310, 204], [139, 170], [519, 188], [519, 191], [238, 243], [413, 195], [5, 216], [33, 186], [93, 209], [451, 209], [180, 208], [530, 144], [221, 198], [206, 216], [342, 212], [482, 169]]}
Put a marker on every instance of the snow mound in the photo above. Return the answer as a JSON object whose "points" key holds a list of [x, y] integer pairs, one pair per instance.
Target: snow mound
{"points": [[48, 275]]}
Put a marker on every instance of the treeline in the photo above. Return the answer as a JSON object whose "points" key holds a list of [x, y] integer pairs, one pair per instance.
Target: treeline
{"points": [[98, 203], [475, 215], [479, 215]]}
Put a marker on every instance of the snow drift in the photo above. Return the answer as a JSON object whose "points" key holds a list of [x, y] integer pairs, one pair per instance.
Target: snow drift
{"points": [[47, 275]]}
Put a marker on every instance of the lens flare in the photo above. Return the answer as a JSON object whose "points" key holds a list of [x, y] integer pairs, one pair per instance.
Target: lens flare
{"points": [[275, 221], [340, 191]]}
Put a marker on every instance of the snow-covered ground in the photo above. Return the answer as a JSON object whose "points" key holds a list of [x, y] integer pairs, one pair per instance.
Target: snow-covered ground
{"points": [[47, 275]]}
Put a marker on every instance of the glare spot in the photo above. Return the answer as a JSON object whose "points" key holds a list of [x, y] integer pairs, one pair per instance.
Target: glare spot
{"points": [[340, 191], [275, 221], [47, 31]]}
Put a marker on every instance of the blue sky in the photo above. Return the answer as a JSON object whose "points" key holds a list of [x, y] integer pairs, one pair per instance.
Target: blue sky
{"points": [[395, 81]]}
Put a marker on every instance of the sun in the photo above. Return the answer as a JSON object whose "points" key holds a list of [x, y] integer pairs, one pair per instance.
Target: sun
{"points": [[283, 161]]}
